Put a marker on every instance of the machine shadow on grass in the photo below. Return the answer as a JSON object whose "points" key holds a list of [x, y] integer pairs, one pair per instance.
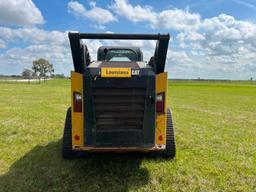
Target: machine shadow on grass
{"points": [[43, 169]]}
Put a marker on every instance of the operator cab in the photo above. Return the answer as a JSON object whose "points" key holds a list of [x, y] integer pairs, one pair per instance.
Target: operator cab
{"points": [[119, 54]]}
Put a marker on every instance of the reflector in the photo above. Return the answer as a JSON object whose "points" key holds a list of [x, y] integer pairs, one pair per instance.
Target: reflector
{"points": [[77, 99], [77, 137], [160, 103]]}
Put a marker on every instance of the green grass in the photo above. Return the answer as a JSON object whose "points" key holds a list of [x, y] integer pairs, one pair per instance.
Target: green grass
{"points": [[216, 143]]}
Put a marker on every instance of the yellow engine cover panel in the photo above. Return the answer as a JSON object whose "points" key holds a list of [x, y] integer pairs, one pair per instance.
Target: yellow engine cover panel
{"points": [[161, 87], [77, 117]]}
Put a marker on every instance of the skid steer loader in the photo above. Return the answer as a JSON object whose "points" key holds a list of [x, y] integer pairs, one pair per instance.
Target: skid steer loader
{"points": [[119, 102]]}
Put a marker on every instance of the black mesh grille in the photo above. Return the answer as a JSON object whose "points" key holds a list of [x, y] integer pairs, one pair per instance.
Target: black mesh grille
{"points": [[119, 108]]}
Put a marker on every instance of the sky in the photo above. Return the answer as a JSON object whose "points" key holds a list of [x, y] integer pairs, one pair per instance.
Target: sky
{"points": [[213, 39]]}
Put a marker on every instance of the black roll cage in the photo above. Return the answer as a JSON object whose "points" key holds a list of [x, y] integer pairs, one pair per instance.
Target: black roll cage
{"points": [[157, 61]]}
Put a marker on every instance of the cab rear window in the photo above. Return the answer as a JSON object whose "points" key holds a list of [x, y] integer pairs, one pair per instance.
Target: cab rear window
{"points": [[121, 55]]}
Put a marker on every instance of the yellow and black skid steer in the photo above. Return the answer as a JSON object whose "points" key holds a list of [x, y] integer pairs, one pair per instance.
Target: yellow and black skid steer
{"points": [[118, 102]]}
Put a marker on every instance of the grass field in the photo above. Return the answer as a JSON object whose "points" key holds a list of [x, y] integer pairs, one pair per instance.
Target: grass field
{"points": [[216, 143]]}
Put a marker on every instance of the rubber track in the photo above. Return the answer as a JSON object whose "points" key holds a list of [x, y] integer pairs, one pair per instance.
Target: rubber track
{"points": [[67, 137], [170, 151]]}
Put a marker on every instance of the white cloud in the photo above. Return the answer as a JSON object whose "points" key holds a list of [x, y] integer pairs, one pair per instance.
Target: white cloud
{"points": [[222, 47], [177, 56], [133, 13], [176, 19], [222, 43], [33, 35], [191, 36], [2, 44], [225, 35], [76, 9], [20, 12], [96, 14]]}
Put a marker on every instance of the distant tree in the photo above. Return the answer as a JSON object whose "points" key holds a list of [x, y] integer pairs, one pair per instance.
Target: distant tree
{"points": [[27, 73], [251, 79], [42, 68]]}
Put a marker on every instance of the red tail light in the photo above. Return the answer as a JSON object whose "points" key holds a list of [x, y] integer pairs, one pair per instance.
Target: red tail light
{"points": [[160, 103], [77, 99]]}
